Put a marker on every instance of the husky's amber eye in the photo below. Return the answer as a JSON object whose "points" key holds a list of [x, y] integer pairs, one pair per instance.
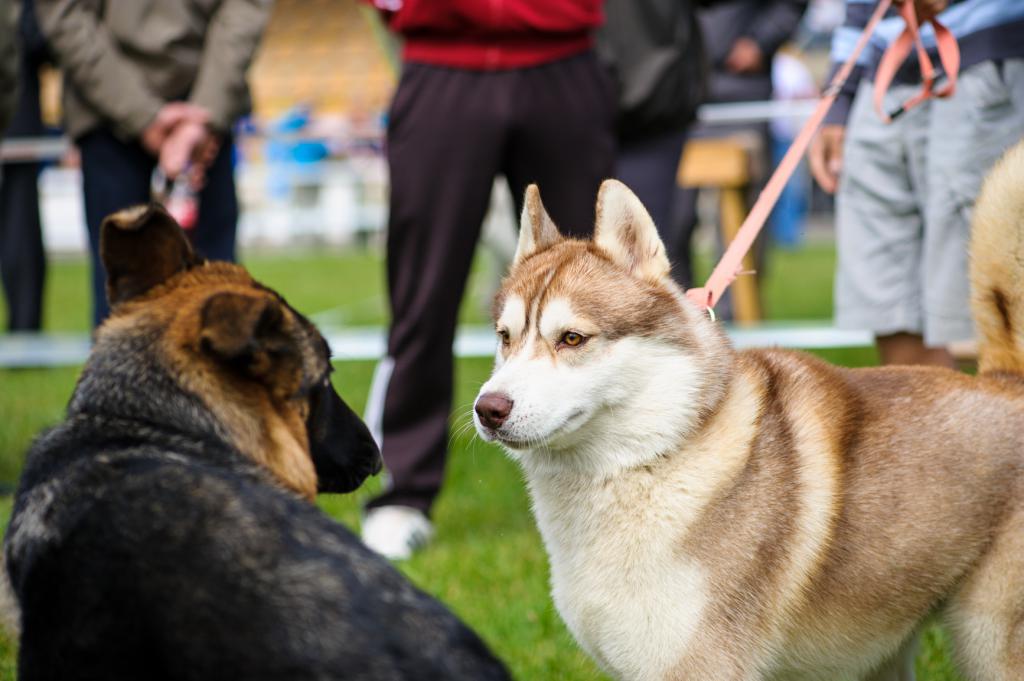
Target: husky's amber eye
{"points": [[503, 335], [572, 339]]}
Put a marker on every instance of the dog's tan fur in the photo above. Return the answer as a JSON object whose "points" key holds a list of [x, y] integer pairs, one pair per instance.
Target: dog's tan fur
{"points": [[997, 266], [798, 520]]}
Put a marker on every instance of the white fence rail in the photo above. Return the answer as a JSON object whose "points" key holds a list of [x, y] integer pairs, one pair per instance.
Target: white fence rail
{"points": [[56, 350]]}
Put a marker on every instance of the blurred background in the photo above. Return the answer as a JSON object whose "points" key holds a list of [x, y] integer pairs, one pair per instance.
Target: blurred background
{"points": [[310, 164], [313, 187]]}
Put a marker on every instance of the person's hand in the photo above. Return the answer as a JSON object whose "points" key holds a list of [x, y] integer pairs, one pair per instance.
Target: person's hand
{"points": [[202, 158], [190, 146], [745, 57], [169, 117], [826, 156], [926, 9]]}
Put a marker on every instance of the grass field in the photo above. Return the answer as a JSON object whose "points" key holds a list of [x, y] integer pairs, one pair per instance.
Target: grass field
{"points": [[487, 562]]}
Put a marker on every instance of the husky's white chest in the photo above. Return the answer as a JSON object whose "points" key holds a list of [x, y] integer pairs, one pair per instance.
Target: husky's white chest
{"points": [[617, 578]]}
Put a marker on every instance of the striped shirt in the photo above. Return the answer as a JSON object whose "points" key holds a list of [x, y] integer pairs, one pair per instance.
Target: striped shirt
{"points": [[985, 29]]}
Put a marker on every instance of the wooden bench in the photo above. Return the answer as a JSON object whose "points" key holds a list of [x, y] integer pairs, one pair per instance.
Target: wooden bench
{"points": [[724, 164]]}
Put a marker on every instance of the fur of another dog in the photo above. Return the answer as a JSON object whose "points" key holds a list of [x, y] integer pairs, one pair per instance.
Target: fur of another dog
{"points": [[165, 529], [714, 515]]}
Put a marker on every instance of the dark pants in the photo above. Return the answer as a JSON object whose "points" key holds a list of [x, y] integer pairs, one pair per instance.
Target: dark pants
{"points": [[22, 258], [683, 224], [451, 131], [116, 175], [649, 168]]}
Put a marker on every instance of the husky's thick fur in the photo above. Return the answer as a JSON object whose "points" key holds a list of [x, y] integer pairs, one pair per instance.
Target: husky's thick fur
{"points": [[713, 515], [165, 529]]}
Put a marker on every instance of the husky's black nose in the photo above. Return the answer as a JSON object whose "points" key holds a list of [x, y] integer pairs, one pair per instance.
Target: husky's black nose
{"points": [[493, 409]]}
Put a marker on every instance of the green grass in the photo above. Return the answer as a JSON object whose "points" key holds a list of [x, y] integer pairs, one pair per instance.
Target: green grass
{"points": [[487, 562]]}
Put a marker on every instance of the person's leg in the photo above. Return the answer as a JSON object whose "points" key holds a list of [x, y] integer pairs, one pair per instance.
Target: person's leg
{"points": [[445, 136], [214, 233], [649, 168], [115, 175], [562, 139], [22, 257], [678, 235], [909, 348], [879, 224]]}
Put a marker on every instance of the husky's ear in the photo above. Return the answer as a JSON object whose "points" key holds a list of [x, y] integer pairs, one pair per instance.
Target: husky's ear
{"points": [[249, 333], [625, 231], [536, 230], [141, 247]]}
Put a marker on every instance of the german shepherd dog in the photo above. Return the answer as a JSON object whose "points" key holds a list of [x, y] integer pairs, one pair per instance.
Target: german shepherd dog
{"points": [[714, 515], [165, 529]]}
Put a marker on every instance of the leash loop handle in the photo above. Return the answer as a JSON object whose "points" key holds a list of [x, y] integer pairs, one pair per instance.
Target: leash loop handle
{"points": [[899, 50]]}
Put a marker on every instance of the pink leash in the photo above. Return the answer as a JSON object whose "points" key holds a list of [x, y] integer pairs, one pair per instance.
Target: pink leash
{"points": [[731, 264]]}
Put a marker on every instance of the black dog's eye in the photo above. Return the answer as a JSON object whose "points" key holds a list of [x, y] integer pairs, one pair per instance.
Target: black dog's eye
{"points": [[314, 391]]}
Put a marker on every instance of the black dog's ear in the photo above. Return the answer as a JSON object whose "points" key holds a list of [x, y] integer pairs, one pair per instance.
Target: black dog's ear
{"points": [[141, 247], [249, 332]]}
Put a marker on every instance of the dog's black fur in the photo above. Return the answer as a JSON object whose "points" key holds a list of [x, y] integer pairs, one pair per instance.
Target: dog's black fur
{"points": [[145, 545]]}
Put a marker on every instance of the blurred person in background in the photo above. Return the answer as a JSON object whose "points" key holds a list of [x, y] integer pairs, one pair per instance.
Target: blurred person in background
{"points": [[155, 82], [742, 37], [905, 190], [792, 81], [22, 256], [654, 52], [510, 87]]}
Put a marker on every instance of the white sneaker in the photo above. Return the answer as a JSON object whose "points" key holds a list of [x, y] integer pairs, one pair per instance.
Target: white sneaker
{"points": [[396, 531]]}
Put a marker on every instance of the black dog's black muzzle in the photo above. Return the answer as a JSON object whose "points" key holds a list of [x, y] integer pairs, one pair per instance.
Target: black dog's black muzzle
{"points": [[344, 453]]}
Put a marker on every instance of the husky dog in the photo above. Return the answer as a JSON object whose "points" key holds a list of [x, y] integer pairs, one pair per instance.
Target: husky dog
{"points": [[714, 515]]}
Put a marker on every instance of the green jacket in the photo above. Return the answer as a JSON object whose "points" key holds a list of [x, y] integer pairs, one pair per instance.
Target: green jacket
{"points": [[123, 59], [8, 64]]}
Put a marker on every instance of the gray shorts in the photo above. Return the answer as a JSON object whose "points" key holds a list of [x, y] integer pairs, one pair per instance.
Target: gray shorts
{"points": [[904, 203]]}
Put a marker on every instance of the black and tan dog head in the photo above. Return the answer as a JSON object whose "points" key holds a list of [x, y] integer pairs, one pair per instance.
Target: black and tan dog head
{"points": [[260, 367]]}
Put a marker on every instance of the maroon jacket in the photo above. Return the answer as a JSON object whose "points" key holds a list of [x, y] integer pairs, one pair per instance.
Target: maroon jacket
{"points": [[492, 34]]}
